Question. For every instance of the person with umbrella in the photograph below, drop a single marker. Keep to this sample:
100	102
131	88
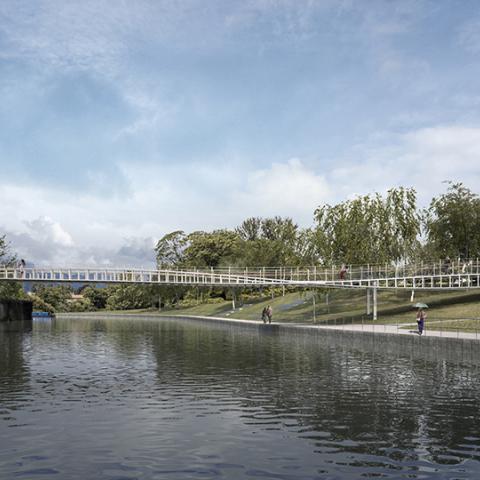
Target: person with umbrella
421	316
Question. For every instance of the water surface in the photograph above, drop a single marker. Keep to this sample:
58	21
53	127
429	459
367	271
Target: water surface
169	399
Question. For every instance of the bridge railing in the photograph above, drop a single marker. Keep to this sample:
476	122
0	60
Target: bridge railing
246	275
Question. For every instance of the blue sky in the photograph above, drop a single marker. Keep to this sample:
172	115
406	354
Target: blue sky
121	121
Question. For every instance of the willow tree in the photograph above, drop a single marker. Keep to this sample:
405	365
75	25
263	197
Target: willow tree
369	228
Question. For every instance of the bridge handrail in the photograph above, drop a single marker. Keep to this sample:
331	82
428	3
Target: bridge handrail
309	273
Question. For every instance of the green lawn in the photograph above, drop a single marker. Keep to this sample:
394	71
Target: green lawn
344	306
455	310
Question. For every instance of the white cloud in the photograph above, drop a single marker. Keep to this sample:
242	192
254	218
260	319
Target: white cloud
44	242
287	189
57	228
422	159
47	230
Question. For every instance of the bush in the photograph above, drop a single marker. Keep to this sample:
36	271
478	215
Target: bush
39	305
82	305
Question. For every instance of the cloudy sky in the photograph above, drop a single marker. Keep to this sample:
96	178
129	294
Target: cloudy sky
123	120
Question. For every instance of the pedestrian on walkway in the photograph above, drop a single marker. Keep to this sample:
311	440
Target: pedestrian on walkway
269	314
264	314
343	271
421	317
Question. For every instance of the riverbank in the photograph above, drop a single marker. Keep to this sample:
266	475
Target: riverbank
386	339
338	307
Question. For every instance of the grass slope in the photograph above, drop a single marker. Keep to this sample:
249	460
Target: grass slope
344	306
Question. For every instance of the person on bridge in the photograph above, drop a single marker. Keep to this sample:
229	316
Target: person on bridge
421	317
343	271
21	267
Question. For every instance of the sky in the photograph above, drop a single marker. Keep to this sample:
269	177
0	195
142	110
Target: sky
122	121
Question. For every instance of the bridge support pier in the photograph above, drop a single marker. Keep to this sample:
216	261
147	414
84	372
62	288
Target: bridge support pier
372	302
233	299
369	303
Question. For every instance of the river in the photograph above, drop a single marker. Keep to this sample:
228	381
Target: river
171	399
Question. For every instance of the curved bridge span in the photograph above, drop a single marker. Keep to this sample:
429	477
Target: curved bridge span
435	276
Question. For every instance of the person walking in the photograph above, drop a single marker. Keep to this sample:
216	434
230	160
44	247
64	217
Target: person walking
269	314
421	317
264	314
21	267
343	272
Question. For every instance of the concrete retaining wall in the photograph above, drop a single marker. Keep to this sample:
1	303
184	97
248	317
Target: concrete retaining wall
15	315
456	350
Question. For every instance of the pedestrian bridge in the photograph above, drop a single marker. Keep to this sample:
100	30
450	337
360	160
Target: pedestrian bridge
433	276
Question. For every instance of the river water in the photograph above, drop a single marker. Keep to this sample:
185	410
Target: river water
171	399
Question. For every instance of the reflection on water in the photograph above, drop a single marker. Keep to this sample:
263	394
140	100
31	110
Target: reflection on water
150	399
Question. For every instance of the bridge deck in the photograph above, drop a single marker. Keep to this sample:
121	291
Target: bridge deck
428	277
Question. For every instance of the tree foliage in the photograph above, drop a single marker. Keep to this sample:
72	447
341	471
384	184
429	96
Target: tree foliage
170	249
11	290
268	242
369	229
7	258
452	223
129	297
213	249
58	296
96	296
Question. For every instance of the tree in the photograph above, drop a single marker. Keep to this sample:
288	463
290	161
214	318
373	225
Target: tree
212	249
250	229
12	290
268	242
129	297
6	257
170	249
9	289
40	305
57	296
452	223
369	229
96	296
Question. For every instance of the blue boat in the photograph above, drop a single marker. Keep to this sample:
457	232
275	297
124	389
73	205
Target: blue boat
42	315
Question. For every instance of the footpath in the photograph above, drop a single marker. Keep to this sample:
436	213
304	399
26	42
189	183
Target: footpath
411	329
401	329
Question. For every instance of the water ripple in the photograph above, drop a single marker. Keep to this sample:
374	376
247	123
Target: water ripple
120	399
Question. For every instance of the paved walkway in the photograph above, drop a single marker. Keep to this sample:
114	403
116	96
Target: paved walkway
398	330
377	328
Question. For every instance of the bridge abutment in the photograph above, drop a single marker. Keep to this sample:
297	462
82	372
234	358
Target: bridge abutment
15	315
